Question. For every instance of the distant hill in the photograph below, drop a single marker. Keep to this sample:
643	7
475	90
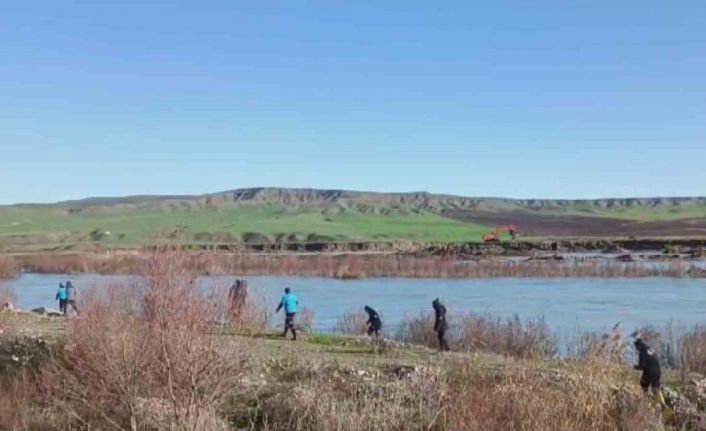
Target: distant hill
301	215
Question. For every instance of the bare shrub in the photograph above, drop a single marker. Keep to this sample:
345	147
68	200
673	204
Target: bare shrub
352	323
418	329
499	399
305	321
159	364
9	267
694	350
530	339
604	347
7	294
667	343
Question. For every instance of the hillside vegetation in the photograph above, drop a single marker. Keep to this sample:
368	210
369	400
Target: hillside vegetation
265	215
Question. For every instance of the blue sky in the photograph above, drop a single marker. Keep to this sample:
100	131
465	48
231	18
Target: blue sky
574	99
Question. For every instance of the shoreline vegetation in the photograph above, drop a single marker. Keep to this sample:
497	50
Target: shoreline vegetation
352	266
164	355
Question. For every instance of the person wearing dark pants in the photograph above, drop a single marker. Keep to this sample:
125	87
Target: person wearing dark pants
374	322
440	325
70	299
61	296
651	371
290	303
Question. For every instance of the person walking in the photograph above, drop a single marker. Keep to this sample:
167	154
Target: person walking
374	322
61	296
651	371
70	298
440	324
290	303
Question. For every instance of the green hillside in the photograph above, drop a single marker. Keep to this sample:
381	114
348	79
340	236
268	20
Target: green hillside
303	215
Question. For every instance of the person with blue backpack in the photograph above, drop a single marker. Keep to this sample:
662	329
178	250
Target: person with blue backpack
290	303
62	295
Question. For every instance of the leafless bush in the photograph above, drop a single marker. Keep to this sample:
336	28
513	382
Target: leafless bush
418	329
694	350
9	267
305	321
605	347
667	343
492	399
530	339
159	364
352	323
7	294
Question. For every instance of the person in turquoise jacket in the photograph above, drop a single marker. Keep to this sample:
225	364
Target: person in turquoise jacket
62	295
290	303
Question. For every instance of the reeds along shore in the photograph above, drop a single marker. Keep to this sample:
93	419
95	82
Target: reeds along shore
346	266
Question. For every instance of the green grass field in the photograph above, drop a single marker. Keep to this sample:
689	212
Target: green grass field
137	228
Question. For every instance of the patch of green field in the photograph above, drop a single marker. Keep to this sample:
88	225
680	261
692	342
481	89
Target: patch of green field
665	212
135	228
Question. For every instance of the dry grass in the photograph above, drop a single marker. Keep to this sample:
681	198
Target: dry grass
9	267
357	266
693	350
481	399
528	339
305	319
601	347
7	294
352	323
418	329
327	396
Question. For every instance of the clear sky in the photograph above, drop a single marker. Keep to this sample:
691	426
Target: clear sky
574	99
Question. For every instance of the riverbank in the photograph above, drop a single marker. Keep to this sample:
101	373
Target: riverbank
343	382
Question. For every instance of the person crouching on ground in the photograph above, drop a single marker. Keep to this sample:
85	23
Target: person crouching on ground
290	303
651	371
62	296
440	325
374	322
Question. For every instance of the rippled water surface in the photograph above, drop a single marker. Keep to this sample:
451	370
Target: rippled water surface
567	304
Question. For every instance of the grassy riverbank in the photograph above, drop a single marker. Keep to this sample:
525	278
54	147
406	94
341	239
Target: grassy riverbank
332	382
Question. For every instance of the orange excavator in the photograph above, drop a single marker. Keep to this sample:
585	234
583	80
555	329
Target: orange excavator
494	236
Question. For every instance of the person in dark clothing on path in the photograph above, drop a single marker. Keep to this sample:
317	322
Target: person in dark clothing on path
440	325
290	303
651	371
61	296
238	296
374	322
70	298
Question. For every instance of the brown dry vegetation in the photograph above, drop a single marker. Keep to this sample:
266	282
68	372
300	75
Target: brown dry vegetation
9	267
528	339
357	266
352	323
7	294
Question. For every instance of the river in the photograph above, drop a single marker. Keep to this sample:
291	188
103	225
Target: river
567	304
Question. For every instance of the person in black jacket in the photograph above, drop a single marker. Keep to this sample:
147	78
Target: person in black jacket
440	325
648	363
374	322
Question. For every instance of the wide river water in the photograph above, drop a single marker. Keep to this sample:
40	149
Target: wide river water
567	304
